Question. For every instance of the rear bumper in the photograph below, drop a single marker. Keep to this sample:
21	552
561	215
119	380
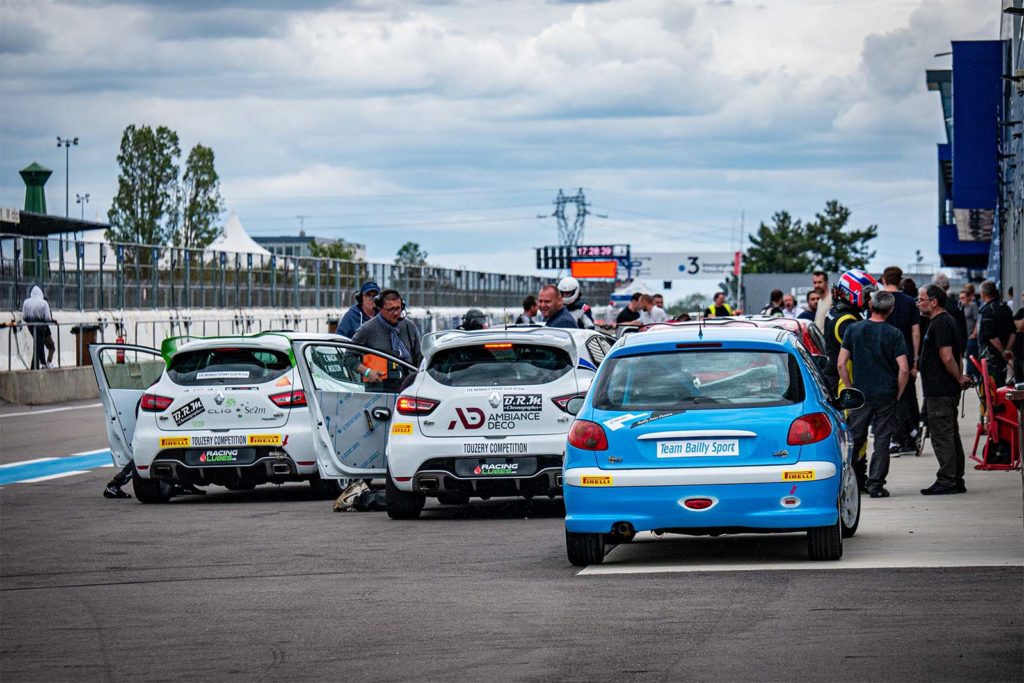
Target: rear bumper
413	455
744	499
297	450
546	482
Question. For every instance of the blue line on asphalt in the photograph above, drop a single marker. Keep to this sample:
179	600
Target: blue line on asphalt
34	470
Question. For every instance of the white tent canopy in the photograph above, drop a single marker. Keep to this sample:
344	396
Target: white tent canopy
233	238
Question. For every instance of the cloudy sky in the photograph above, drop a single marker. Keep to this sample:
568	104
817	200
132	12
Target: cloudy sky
454	123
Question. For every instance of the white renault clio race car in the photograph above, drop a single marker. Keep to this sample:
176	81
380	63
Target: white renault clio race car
224	410
487	415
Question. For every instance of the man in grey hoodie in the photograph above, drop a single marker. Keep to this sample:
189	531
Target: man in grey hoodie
35	310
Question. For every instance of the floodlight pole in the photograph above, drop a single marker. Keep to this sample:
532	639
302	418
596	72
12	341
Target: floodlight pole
66	143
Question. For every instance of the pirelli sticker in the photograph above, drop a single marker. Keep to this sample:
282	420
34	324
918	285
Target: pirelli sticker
264	440
221	440
401	428
595	480
798	475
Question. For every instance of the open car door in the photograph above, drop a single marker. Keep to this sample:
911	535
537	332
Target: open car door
350	416
123	373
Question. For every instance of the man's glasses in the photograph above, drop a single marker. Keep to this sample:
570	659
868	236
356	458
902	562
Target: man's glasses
391	309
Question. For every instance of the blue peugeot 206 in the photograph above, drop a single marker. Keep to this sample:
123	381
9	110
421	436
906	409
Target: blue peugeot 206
709	430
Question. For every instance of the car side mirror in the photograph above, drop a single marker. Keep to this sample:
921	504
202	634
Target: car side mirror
822	363
381	414
574	405
850	399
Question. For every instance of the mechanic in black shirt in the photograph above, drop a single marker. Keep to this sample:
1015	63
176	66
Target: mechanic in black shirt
631	313
905	318
941	382
995	332
880	371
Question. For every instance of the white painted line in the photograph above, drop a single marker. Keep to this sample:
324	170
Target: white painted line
49	410
52	476
98	450
26	462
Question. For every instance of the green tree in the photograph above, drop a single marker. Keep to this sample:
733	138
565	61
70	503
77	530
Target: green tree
689	304
834	248
410	254
779	248
334	249
144	207
195	219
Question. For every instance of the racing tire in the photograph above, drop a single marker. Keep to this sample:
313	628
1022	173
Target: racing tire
849	506
402	504
825	543
149	490
452	499
584	549
325	488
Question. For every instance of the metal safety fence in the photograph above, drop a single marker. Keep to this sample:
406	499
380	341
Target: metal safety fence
80	275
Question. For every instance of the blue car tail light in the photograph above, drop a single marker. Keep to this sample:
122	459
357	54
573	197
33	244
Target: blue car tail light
588	436
808	429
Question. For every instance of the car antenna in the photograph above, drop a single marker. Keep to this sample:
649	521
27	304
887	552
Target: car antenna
700	325
504	317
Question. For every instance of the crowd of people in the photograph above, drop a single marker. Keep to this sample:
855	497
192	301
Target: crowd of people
880	336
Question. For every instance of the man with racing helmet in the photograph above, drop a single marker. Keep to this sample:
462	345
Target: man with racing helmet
850	297
569	287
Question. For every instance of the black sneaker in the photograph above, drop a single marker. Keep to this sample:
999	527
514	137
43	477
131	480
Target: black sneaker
938	489
114	491
878	492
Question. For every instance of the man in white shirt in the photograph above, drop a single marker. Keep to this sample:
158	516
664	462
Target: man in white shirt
789	307
649	312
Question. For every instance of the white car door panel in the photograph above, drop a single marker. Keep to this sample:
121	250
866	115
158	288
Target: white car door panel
123	373
350	417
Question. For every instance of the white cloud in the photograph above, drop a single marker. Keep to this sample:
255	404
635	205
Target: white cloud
675	114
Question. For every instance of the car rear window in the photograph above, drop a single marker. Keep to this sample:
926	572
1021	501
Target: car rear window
692	379
499	364
227	366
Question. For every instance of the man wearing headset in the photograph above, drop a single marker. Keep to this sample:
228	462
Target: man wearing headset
392	333
361	311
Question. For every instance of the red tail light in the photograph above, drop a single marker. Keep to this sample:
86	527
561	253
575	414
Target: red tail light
563	401
809	429
290	399
151	403
408	405
588	435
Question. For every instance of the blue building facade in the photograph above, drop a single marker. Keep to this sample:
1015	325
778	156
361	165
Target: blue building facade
968	161
1007	260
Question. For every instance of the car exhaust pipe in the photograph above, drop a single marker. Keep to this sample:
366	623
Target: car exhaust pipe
281	468
162	471
624	530
428	484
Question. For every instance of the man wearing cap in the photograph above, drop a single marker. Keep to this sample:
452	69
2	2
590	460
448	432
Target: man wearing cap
362	310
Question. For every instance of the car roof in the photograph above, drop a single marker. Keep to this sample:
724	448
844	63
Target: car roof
279	341
554	336
659	335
